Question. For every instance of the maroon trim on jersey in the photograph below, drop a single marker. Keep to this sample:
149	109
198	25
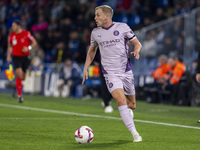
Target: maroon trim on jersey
108	27
102	68
128	65
125	44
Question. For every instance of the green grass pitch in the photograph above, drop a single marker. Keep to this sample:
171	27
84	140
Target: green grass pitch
28	126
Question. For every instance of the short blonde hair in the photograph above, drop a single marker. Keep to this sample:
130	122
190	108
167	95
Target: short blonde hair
106	9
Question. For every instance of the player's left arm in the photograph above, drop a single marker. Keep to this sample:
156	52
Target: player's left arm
33	43
137	49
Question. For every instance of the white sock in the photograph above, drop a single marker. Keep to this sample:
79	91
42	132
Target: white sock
126	117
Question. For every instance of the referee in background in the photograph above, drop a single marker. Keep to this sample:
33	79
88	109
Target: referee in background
20	43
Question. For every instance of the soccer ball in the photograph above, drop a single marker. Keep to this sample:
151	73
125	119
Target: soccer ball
84	134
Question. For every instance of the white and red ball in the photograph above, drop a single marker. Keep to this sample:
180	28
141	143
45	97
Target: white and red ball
84	134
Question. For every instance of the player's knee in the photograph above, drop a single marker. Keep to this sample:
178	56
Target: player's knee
121	102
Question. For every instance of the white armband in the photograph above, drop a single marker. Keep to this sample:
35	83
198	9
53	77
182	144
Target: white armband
29	47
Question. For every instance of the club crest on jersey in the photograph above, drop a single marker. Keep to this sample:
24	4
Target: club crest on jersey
14	41
110	85
116	33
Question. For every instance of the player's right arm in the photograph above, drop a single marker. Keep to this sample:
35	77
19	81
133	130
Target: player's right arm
9	51
137	49
90	56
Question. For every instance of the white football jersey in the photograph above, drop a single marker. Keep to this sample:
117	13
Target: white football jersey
113	46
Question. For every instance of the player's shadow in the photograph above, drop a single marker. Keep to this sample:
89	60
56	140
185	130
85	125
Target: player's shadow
103	145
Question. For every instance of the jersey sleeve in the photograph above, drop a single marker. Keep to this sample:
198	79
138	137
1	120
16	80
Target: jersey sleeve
30	37
128	33
93	43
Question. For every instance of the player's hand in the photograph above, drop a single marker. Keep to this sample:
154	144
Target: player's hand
25	49
136	54
164	85
9	59
85	75
160	80
198	77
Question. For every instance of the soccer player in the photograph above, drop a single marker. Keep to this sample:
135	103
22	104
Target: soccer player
20	42
112	39
198	69
198	73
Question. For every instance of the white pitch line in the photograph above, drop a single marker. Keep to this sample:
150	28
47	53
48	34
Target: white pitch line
15	118
95	116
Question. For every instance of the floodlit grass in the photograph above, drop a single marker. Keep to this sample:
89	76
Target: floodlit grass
22	129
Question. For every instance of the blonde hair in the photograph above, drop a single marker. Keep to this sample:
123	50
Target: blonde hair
106	9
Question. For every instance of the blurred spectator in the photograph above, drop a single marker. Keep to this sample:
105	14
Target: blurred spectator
168	45
48	41
177	10
170	12
162	3
179	46
28	20
39	37
159	75
41	24
197	33
67	12
53	24
194	66
160	38
57	36
61	53
38	52
24	7
176	83
159	16
13	6
66	26
80	23
198	69
149	46
23	22
197	3
56	10
14	16
177	28
74	45
3	10
163	68
146	21
36	65
187	6
71	77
